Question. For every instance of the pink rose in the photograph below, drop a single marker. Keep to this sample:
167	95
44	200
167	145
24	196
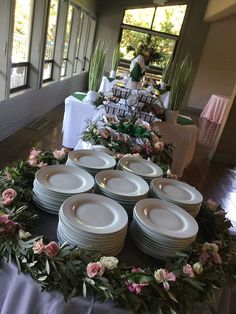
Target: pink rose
95	269
32	162
212	205
216	258
159	145
187	270
104	132
8	196
136	149
4	218
136	287
34	153
59	154
38	246
51	249
10	226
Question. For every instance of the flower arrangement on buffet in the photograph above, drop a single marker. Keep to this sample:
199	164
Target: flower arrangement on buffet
131	137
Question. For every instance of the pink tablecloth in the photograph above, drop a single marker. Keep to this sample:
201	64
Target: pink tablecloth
215	108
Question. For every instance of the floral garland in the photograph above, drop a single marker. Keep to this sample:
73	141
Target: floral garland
131	137
191	276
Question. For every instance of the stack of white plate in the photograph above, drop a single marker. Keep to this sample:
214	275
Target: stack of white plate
160	228
144	168
53	184
126	188
177	192
94	223
90	160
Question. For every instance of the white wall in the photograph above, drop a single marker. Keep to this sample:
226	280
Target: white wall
21	110
216	72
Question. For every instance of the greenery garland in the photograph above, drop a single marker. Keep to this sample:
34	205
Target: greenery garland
176	285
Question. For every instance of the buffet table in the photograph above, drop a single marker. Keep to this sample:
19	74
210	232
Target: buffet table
19	291
78	113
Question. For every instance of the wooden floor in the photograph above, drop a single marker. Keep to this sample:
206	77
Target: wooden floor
214	180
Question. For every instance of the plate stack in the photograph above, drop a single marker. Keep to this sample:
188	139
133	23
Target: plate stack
177	192
144	168
94	223
126	188
53	184
160	228
90	160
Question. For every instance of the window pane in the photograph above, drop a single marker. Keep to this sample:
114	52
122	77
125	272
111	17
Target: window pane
129	42
166	47
18	76
68	31
139	17
169	19
47	71
21	34
51	30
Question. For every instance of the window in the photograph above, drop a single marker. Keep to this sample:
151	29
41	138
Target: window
50	39
21	44
85	43
158	26
67	40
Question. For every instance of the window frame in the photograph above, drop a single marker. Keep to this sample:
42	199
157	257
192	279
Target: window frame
23	63
150	32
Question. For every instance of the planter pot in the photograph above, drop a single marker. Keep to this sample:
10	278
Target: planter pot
112	74
171	115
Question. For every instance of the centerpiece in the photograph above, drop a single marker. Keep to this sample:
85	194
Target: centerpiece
131	136
174	285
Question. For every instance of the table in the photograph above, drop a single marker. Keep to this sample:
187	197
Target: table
184	137
76	116
215	108
21	292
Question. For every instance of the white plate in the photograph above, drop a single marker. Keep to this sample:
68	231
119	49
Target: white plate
94	213
166	218
121	183
177	191
64	179
140	166
92	159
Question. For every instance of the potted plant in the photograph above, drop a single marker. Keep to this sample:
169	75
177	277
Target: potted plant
115	61
179	82
96	68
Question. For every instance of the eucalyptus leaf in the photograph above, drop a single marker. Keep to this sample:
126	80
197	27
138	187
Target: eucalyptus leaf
43	278
47	267
84	289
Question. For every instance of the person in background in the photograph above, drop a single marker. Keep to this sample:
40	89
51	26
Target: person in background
138	66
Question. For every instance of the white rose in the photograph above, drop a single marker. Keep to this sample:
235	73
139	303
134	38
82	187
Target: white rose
197	268
24	235
109	262
159	275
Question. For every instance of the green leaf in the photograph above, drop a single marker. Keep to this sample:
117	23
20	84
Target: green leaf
84	289
43	278
47	267
194	283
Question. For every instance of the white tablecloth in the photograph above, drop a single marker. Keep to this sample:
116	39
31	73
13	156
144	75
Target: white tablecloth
106	85
76	116
215	108
184	137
